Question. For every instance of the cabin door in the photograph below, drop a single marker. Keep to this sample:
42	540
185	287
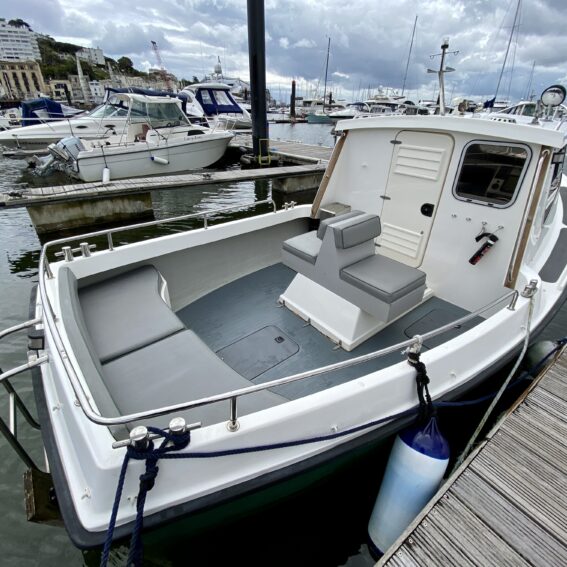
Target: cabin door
415	181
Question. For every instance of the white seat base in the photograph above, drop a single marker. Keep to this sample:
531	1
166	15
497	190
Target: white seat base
338	319
335	317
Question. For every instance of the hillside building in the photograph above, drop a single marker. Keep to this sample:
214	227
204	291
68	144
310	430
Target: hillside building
18	43
91	55
21	80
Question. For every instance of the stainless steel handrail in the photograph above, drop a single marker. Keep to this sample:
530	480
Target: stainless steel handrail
20	327
10	431
110	231
37	361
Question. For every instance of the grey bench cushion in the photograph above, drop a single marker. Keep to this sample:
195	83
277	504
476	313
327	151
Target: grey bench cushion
306	246
384	278
125	313
353	231
78	336
176	369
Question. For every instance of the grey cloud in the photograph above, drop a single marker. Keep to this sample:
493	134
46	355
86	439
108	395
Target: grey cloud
369	39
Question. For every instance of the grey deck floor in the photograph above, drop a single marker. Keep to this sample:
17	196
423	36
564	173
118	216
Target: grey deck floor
509	505
227	315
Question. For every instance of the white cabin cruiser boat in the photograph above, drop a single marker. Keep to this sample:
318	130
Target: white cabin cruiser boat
351	110
434	233
38	134
219	106
103	121
157	139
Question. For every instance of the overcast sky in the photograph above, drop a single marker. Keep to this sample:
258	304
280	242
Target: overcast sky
370	40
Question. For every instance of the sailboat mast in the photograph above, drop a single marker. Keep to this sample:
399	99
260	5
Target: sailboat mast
507	49
409	56
528	90
326	69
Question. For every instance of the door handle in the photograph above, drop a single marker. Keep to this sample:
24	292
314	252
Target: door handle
427	209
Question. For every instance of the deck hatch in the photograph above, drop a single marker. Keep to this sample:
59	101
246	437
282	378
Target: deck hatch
258	352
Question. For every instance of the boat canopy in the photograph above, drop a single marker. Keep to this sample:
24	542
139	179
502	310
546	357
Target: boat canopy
44	109
215	100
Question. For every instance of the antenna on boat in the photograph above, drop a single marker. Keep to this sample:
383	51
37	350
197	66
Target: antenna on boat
441	72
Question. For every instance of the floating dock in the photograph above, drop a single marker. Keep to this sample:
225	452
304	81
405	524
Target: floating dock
311	160
507	503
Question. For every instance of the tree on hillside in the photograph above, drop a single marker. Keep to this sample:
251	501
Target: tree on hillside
19	23
125	64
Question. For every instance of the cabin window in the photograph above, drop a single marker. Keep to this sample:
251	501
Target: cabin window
491	173
222	98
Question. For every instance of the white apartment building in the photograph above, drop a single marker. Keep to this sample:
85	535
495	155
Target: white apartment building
97	90
92	55
17	43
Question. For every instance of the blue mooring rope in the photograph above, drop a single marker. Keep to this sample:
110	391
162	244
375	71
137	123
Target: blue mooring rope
172	443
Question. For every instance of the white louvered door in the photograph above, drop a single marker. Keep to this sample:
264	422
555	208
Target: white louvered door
417	175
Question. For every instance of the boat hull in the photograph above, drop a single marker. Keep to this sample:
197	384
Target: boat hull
139	162
319	119
485	348
40	136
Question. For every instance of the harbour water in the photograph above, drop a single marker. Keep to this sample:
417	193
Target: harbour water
325	527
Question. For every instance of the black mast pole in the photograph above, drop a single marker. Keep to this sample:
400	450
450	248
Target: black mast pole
257	58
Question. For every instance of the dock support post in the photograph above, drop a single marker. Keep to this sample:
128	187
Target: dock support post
257	57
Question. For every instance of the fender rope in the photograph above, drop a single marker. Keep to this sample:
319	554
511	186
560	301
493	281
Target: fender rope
172	443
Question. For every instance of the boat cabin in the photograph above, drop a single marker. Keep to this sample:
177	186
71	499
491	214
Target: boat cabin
423	194
144	116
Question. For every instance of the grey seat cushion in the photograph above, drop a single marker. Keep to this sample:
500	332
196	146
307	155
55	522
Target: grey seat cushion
81	345
176	369
353	231
125	313
306	246
383	277
324	224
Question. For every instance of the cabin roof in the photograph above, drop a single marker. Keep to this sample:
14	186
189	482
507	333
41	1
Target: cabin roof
145	98
211	85
535	134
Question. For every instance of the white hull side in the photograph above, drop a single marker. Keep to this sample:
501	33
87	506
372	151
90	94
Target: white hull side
92	464
40	136
124	162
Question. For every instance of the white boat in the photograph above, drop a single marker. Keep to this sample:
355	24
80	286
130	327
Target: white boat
103	121
157	139
351	110
10	118
219	106
437	234
325	115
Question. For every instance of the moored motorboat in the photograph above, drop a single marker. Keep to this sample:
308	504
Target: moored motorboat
157	139
48	122
219	105
434	233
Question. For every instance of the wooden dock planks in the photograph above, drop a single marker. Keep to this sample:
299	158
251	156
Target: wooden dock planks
507	505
